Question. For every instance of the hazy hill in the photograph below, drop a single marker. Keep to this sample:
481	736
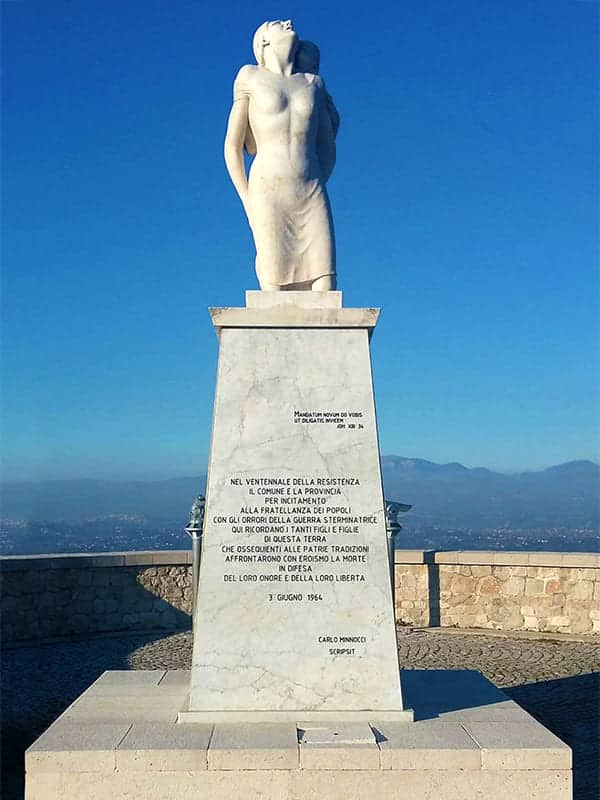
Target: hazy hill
74	500
565	495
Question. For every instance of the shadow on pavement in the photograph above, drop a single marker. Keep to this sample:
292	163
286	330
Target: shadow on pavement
431	692
570	708
40	681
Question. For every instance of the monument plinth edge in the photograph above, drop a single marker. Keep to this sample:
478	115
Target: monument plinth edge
294	317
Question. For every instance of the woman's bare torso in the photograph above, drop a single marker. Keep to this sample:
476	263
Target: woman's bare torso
285	198
283	116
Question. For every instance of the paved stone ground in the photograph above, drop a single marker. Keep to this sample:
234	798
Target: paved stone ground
558	682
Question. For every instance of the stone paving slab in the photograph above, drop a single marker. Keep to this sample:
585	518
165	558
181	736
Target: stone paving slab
265	746
176	678
76	747
138	701
114	713
513	745
129	678
348	733
427	745
160	747
341	747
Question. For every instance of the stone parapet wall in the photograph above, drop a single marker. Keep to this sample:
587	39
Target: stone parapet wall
55	596
541	592
44	597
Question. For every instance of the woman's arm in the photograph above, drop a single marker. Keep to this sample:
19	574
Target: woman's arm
237	128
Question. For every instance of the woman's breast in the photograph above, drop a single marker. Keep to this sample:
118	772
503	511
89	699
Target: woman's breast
303	103
297	102
266	100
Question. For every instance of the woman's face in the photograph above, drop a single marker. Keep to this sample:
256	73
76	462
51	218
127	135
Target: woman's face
281	31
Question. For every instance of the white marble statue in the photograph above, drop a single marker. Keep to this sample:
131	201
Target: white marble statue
283	116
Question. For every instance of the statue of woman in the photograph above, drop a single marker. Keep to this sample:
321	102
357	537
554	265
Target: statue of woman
285	116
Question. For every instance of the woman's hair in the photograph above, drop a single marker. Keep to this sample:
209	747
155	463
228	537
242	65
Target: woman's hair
259	41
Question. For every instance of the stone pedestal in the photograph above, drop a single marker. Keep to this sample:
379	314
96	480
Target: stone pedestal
294	617
119	740
294	627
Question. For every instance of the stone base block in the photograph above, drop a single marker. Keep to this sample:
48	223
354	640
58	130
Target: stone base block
406	715
120	739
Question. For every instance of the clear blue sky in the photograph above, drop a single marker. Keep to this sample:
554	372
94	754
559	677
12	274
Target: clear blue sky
465	200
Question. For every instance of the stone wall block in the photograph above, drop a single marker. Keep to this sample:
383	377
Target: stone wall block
47	600
463	585
9	603
28	602
79	623
512	619
480	571
554	585
533	587
503	573
580	626
64	597
99	577
112	603
514	586
559	621
446	576
543	602
519	572
583	590
144	603
489	585
408	581
114	621
588	574
10	583
573	605
81	577
99	605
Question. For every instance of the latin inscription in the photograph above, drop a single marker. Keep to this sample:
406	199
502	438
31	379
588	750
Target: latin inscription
343	420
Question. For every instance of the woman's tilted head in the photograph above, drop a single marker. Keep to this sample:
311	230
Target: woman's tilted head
272	33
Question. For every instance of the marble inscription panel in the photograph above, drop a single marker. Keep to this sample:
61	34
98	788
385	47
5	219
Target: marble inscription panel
294	606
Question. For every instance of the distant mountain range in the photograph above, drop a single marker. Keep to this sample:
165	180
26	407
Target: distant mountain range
564	496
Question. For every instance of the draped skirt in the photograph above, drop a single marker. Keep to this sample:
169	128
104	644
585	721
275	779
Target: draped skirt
292	227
